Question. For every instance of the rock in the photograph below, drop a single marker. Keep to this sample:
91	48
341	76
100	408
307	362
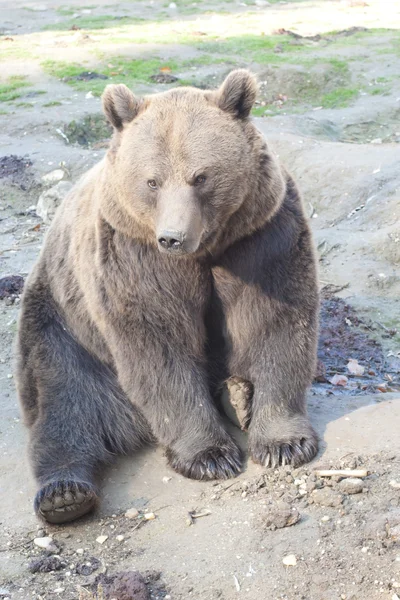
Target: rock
290	560
54	176
132	513
261	3
50	200
44	542
327	497
279	516
120	538
149	516
101	539
394	484
351	485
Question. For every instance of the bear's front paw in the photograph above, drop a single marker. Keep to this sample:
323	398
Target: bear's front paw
64	501
290	441
216	462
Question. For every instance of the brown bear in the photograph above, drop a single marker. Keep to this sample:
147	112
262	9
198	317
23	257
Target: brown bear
182	259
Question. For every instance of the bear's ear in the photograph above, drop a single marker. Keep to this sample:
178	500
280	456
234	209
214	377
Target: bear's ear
119	105
238	93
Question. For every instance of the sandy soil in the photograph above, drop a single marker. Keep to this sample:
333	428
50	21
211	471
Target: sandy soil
345	156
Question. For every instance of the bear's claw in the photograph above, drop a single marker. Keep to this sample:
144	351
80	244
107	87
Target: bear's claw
220	462
293	453
283	442
63	501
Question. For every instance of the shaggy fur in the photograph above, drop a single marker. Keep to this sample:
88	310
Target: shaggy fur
183	258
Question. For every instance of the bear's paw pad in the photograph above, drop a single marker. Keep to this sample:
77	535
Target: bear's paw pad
64	501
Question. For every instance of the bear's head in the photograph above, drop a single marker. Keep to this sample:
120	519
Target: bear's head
184	162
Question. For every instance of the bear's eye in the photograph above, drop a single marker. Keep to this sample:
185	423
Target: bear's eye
200	179
152	183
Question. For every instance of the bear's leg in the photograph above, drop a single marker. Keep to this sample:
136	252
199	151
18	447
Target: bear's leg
270	319
165	377
81	420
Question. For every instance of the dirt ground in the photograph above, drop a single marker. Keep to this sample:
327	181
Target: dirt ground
329	105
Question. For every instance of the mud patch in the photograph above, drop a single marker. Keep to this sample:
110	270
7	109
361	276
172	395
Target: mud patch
46	564
88	131
16	169
129	585
344	336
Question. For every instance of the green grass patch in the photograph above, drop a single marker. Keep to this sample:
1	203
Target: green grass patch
24	104
119	70
339	98
53	103
12	89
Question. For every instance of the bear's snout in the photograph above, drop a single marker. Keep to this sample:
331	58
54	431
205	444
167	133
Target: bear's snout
172	241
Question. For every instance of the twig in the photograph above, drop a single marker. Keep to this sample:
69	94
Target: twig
342	473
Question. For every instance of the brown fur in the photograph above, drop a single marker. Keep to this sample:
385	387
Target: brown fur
181	259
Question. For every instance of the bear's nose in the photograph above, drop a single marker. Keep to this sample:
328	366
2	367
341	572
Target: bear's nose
171	240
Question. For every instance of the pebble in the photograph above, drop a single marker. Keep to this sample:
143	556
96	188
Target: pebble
290	560
132	513
59	590
327	497
44	542
101	539
120	538
325	519
281	515
394	484
166	479
351	485
149	516
80	551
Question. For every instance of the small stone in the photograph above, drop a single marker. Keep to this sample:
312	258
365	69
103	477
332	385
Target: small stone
54	176
327	497
298	482
351	485
89	95
364	549
172	5
166	479
59	590
149	516
394	532
80	551
44	542
279	516
120	538
261	3
394	484
290	560
101	539
325	519
132	513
